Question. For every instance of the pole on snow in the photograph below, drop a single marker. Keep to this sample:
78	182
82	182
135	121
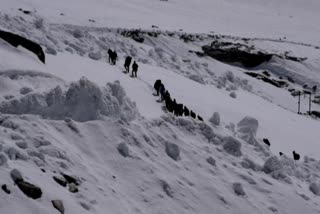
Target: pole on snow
299	102
310	103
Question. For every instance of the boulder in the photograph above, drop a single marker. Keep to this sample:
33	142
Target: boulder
60	180
272	164
95	55
315	188
238	189
73	188
232	146
211	161
71	179
29	189
58	204
234	53
123	149
215	119
173	151
5	189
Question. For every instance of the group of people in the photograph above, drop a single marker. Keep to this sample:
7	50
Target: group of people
178	109
295	155
113	57
135	66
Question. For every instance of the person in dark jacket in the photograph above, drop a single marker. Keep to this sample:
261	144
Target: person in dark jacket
162	91
175	107
179	110
134	69
114	58
169	104
167	95
110	52
192	114
156	86
186	111
127	63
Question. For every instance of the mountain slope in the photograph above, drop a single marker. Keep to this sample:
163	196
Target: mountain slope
275	19
80	116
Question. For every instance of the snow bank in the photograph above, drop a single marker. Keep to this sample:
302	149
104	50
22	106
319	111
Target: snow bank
83	101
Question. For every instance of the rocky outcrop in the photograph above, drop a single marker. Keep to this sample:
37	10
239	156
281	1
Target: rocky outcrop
235	53
17	40
244	54
27	188
58	204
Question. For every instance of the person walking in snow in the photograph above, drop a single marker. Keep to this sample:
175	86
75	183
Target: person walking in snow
134	69
162	91
167	95
127	63
114	57
192	114
157	85
180	110
169	106
174	107
110	52
186	111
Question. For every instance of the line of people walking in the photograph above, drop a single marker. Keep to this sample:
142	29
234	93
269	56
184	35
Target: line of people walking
178	109
113	57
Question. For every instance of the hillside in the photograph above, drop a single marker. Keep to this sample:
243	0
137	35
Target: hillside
78	115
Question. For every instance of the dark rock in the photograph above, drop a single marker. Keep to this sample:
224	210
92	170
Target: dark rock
60	180
73	188
232	146
16	40
232	53
238	189
187	38
276	83
29	189
211	161
123	149
173	151
58	204
315	188
5	189
51	50
166	188
84	205
136	35
316	113
70	179
266	73
25	90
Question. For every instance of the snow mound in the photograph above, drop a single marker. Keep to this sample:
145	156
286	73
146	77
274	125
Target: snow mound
247	129
215	119
272	164
83	101
232	146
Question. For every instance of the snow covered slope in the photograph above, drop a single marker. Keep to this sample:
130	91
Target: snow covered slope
77	115
293	19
